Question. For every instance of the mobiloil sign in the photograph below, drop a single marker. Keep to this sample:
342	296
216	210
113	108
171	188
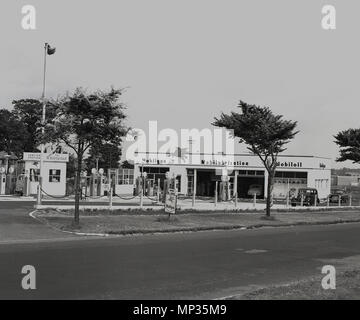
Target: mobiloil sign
289	164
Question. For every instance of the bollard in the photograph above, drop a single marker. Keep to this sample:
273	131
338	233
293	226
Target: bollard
38	195
339	201
287	200
110	198
158	190
141	197
236	199
315	200
194	188
254	201
216	194
327	201
350	200
302	200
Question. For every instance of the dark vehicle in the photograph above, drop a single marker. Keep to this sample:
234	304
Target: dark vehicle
334	197
308	196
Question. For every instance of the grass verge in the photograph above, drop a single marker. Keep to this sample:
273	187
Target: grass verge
347	287
108	223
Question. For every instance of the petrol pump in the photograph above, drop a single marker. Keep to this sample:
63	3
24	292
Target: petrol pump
94	182
10	181
102	183
2	180
224	188
98	182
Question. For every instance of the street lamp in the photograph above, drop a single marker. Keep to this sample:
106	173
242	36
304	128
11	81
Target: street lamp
47	51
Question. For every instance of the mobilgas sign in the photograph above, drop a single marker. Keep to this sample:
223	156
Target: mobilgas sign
53	157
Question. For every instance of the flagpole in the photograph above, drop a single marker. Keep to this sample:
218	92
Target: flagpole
43	120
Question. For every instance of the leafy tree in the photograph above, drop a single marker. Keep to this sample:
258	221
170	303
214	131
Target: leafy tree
349	143
106	156
127	164
265	134
12	132
29	112
86	120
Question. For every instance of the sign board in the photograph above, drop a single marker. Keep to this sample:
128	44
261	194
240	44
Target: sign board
232	161
50	157
170	201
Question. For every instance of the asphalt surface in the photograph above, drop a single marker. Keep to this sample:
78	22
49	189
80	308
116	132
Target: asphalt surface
203	265
17	226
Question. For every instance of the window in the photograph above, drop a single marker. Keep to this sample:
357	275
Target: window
126	176
54	175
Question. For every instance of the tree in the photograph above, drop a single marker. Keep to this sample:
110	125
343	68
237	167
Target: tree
29	112
86	120
349	143
12	133
265	134
127	164
105	156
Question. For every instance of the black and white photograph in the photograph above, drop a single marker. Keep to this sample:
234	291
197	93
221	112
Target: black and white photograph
179	156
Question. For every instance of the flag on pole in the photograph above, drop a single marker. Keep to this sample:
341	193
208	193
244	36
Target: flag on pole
50	50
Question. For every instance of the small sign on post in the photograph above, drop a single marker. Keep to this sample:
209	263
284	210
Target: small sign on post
170	202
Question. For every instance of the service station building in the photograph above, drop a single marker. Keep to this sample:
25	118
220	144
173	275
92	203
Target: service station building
199	172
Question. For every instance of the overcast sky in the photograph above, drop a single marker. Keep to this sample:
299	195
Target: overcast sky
185	61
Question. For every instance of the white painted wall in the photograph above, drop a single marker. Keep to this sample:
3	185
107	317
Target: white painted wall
52	188
321	180
124	189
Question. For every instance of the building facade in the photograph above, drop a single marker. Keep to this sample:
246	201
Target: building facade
54	182
199	173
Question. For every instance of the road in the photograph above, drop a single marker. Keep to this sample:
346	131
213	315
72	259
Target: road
203	265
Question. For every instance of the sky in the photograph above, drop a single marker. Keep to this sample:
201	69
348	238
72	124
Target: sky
184	62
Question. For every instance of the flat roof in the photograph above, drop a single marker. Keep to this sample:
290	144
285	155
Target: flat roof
234	154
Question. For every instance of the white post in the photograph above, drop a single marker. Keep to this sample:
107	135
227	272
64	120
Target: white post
38	194
350	200
254	200
194	187
142	193
228	189
339	201
110	198
288	193
315	200
235	187
158	191
327	201
216	193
